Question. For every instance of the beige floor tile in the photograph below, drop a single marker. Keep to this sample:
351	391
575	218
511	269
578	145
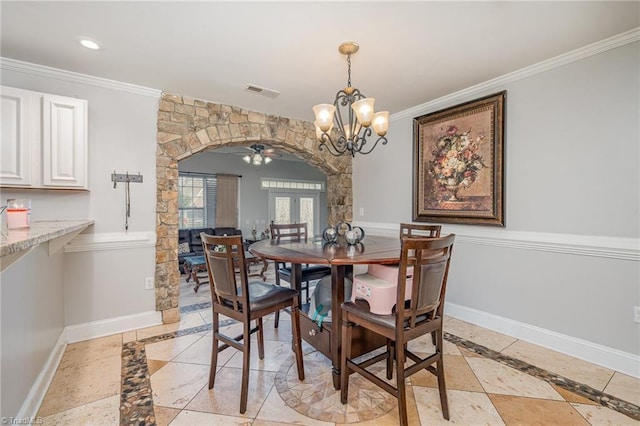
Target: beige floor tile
154	365
598	415
165	415
192	418
457	374
624	387
81	384
102	412
275	410
129	336
516	410
467	353
573	397
501	379
175	384
423	344
186	321
166	350
274	354
224	398
570	367
465	408
200	353
91	350
482	336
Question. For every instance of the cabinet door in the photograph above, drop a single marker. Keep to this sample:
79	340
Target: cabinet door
64	142
19	133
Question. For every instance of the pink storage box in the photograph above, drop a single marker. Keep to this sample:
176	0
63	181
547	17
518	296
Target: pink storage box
379	287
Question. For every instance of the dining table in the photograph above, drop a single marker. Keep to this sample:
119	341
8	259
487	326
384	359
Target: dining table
341	257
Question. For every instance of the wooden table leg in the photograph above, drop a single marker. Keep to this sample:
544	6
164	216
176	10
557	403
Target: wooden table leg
337	297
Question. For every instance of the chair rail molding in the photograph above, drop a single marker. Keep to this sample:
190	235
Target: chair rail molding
110	241
581	245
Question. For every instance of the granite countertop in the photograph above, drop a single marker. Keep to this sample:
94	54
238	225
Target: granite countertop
17	240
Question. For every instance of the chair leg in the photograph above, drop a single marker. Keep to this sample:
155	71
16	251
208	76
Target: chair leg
391	353
402	391
246	351
276	321
346	351
260	339
442	388
214	350
297	340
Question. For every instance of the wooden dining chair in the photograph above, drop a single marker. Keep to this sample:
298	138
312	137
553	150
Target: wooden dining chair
244	302
411	319
419	230
295	232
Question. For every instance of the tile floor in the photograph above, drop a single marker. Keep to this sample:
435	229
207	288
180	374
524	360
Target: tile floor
159	375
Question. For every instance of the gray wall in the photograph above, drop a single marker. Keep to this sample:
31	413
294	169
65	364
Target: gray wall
572	184
254	201
42	294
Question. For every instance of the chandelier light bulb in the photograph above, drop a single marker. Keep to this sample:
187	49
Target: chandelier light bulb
324	116
257	159
267	160
381	122
364	110
247	159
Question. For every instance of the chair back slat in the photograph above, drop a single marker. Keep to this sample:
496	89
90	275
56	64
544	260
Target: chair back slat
225	254
289	231
419	230
430	258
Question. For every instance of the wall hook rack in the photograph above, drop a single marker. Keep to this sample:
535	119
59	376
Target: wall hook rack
127	179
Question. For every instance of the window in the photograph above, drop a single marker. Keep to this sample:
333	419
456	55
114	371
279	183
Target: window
196	200
270	183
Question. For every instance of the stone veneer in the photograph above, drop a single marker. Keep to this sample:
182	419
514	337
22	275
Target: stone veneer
187	126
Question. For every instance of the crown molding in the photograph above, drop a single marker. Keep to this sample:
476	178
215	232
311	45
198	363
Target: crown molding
7	64
498	83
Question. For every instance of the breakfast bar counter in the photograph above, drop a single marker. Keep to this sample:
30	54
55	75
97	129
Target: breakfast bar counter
15	243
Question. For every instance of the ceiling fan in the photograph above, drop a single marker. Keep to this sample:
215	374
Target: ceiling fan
260	155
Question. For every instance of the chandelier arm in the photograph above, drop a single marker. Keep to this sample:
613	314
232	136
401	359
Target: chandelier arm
331	147
380	139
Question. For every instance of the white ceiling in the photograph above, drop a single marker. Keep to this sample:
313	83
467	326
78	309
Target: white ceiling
410	52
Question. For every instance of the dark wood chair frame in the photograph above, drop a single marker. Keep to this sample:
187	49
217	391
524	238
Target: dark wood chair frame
422	314
295	232
244	302
419	230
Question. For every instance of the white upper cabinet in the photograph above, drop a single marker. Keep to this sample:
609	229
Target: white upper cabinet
44	140
64	142
20	132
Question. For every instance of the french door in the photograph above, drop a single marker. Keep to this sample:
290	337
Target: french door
295	207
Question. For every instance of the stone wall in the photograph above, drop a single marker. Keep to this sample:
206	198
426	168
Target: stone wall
187	126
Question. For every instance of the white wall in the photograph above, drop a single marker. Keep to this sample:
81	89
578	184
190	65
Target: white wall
564	271
103	277
254	201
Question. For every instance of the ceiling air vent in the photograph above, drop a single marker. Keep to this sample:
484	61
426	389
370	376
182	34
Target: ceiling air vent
252	88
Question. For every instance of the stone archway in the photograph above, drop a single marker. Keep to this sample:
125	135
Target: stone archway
187	126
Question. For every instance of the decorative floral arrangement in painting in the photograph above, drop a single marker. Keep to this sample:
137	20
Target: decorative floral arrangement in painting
455	163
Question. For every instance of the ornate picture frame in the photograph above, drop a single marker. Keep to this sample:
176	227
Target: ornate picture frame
458	156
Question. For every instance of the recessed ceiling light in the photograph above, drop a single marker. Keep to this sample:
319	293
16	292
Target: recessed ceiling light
89	44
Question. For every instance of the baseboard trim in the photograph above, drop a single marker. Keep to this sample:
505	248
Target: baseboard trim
613	359
110	241
580	245
107	327
32	402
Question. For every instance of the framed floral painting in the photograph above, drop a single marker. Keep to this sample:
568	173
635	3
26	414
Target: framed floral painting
458	163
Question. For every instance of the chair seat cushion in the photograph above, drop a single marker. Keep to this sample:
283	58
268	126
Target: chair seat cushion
263	295
361	309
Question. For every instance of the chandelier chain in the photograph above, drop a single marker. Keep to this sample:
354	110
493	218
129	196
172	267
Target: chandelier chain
349	70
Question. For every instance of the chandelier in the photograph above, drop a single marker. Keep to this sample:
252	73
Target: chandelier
354	116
